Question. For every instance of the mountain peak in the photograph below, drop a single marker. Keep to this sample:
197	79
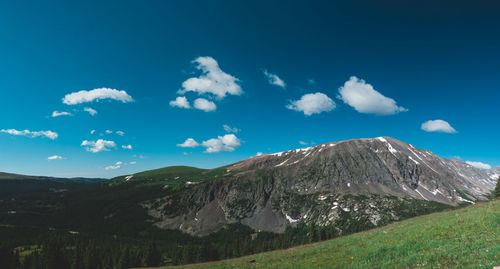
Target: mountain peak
272	191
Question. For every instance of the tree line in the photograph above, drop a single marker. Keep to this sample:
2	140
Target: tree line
236	240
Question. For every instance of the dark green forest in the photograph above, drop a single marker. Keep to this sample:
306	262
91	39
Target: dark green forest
104	226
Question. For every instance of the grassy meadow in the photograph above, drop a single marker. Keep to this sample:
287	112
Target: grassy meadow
463	238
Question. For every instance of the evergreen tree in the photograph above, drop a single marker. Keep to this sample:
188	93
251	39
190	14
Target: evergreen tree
152	256
15	260
91	258
54	256
313	233
186	255
124	261
7	257
322	234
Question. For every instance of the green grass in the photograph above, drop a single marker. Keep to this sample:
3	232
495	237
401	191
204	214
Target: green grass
170	172
463	238
172	175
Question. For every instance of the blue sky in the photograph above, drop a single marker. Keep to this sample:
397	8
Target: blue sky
435	61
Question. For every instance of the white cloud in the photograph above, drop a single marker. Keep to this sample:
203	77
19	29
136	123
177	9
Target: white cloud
228	129
99	145
120	133
189	143
55	157
109	131
112	167
303	143
96	95
312	103
437	126
273	79
181	102
92	132
204	104
90	110
227	142
28	133
60	113
118	165
365	99
479	165
127	147
212	81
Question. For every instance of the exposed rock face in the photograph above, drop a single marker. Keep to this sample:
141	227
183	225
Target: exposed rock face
370	179
494	174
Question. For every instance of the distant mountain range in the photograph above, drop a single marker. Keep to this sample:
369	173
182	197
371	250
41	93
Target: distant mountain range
363	181
13	184
11	176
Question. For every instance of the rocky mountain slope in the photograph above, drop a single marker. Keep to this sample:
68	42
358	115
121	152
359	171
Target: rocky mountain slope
356	182
494	173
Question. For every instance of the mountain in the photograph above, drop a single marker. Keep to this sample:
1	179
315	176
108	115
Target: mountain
13	184
367	182
11	176
494	174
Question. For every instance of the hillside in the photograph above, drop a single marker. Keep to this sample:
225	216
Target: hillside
468	237
11	176
369	182
14	184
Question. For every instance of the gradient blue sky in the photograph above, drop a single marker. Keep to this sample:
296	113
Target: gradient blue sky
440	61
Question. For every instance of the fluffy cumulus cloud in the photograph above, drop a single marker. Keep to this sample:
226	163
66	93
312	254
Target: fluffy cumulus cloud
120	133
96	95
90	110
109	131
479	165
28	133
437	126
127	147
227	142
230	129
60	113
92	131
204	104
212	80
312	103
117	165
55	157
365	99
98	146
273	79
189	143
180	101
